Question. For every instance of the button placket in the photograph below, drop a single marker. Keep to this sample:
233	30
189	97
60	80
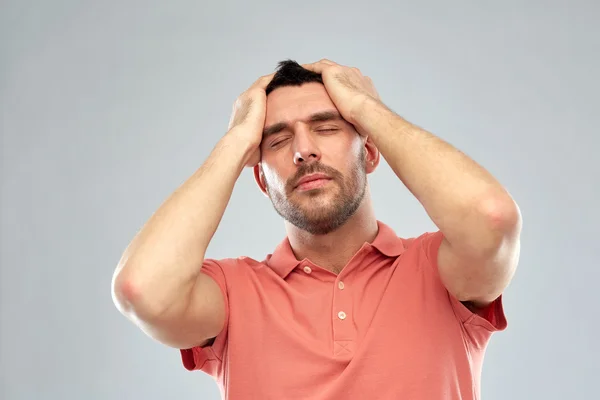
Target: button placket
344	333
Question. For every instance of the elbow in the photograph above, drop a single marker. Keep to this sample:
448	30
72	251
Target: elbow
502	224
130	295
139	299
125	292
502	213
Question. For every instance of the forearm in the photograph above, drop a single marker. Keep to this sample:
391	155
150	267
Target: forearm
160	266
465	201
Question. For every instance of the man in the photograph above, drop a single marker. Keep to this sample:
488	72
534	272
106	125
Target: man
343	308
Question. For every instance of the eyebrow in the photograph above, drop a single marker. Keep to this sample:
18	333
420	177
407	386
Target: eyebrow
330	115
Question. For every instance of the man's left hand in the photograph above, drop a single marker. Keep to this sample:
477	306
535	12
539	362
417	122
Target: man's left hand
347	87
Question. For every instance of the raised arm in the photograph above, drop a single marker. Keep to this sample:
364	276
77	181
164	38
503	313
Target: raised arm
157	283
479	220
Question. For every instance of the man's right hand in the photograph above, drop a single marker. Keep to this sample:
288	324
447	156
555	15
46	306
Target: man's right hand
248	117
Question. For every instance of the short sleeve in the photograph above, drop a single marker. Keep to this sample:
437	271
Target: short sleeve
209	357
485	321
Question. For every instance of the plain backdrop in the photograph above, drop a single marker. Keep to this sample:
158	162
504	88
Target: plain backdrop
106	107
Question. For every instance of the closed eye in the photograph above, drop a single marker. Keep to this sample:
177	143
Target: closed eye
328	130
278	142
321	130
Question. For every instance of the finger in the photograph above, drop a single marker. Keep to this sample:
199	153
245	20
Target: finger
263	81
326	61
319	66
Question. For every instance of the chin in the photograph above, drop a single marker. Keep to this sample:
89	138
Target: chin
319	214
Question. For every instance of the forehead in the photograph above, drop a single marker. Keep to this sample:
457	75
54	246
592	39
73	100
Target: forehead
291	103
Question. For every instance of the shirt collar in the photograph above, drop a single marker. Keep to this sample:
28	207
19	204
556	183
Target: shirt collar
283	261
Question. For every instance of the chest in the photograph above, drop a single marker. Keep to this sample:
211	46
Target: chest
316	334
393	310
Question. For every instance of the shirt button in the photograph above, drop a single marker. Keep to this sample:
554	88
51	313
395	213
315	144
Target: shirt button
307	269
341	285
342	315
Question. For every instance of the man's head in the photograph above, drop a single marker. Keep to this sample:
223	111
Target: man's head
304	135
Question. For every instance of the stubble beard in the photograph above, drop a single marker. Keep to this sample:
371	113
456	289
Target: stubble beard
322	210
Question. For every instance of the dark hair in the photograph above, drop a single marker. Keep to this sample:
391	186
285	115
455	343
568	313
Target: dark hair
290	73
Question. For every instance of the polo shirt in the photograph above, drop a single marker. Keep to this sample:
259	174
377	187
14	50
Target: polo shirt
385	327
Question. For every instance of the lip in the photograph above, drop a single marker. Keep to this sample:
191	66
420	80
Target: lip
311	177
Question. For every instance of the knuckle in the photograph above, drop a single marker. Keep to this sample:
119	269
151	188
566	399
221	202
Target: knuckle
254	91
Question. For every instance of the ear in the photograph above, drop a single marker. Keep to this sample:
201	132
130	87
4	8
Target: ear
260	179
372	155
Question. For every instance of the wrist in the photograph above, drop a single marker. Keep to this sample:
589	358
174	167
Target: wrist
244	144
368	114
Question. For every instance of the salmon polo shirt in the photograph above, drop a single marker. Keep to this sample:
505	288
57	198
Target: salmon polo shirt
385	327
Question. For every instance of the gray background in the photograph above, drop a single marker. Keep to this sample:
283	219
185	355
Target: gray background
106	107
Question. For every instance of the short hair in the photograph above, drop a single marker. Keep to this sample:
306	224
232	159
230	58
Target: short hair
290	73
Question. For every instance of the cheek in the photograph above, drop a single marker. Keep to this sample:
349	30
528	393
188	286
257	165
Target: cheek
273	179
354	158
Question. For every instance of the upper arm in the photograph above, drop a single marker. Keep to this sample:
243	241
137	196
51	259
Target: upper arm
478	280
201	317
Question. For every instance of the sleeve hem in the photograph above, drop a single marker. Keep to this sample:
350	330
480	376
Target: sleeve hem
494	319
196	357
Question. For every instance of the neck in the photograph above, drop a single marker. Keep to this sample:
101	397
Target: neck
333	250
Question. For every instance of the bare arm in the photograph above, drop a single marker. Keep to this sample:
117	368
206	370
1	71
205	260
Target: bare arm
157	283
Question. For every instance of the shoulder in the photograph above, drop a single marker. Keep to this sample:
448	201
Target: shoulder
425	244
234	266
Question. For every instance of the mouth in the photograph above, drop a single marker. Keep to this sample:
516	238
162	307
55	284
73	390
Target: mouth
312	182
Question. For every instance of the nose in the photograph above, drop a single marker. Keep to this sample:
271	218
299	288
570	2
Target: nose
305	147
